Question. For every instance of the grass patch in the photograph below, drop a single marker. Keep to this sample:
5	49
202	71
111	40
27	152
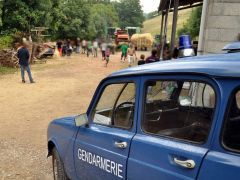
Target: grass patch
153	25
7	70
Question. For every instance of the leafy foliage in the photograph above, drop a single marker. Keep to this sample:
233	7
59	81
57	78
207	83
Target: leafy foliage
130	13
22	15
73	20
101	17
6	41
69	18
192	27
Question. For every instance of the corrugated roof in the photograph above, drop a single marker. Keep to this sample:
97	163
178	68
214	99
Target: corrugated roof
164	4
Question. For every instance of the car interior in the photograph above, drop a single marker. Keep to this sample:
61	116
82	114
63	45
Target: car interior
173	114
167	117
231	136
121	113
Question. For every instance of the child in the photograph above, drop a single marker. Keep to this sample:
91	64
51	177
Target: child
131	53
107	55
142	60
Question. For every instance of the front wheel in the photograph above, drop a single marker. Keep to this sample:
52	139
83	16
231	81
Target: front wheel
58	169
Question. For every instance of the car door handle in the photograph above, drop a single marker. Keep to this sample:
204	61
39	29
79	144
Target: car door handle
121	145
190	164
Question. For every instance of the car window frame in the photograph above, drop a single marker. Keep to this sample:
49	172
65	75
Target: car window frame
97	97
193	78
225	120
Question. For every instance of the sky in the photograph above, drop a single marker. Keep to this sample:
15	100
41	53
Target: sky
150	5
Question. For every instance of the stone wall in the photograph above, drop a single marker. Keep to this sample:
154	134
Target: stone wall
222	25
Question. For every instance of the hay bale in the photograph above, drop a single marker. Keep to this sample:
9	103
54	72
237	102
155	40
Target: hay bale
142	40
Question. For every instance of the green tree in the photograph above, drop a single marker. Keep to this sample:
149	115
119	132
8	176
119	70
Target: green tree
22	15
130	13
74	19
68	18
192	27
101	17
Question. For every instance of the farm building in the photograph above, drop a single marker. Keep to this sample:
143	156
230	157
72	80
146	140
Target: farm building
220	23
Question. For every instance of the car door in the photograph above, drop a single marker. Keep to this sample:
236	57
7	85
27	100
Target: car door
102	147
223	159
174	133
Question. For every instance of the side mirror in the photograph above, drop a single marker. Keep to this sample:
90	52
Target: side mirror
185	101
81	120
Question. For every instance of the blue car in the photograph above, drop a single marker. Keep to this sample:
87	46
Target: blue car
170	120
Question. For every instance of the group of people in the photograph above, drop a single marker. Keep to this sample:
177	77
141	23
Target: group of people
92	47
65	47
84	46
151	59
128	51
89	47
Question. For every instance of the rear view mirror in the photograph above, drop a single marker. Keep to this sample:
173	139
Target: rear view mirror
81	120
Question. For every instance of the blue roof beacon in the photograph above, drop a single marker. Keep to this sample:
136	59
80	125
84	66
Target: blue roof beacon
185	46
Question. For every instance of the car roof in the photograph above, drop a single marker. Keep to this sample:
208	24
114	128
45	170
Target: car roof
221	65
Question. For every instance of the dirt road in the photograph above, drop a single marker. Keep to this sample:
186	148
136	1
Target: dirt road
64	87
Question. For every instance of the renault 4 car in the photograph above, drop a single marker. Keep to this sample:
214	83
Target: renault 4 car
171	120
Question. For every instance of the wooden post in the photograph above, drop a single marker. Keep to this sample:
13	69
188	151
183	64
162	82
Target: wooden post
174	25
164	38
161	35
165	28
161	31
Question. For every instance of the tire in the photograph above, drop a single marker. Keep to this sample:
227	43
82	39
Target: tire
58	168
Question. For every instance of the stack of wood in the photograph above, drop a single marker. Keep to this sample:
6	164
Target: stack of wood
8	58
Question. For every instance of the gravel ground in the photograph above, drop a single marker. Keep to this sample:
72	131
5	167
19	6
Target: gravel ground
64	86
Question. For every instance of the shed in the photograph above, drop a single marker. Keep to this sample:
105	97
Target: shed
174	6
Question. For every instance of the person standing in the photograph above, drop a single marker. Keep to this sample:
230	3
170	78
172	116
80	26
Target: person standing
124	48
69	47
84	46
78	43
103	48
107	55
89	48
64	48
59	47
131	53
95	48
23	56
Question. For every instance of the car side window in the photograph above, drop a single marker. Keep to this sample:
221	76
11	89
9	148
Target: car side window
179	109
116	106
231	134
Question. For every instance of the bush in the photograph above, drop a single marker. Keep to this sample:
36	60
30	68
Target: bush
6	41
192	27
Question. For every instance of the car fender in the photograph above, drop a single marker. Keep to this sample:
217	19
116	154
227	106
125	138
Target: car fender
61	134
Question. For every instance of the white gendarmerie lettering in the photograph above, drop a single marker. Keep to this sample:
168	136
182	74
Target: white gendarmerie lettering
100	162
